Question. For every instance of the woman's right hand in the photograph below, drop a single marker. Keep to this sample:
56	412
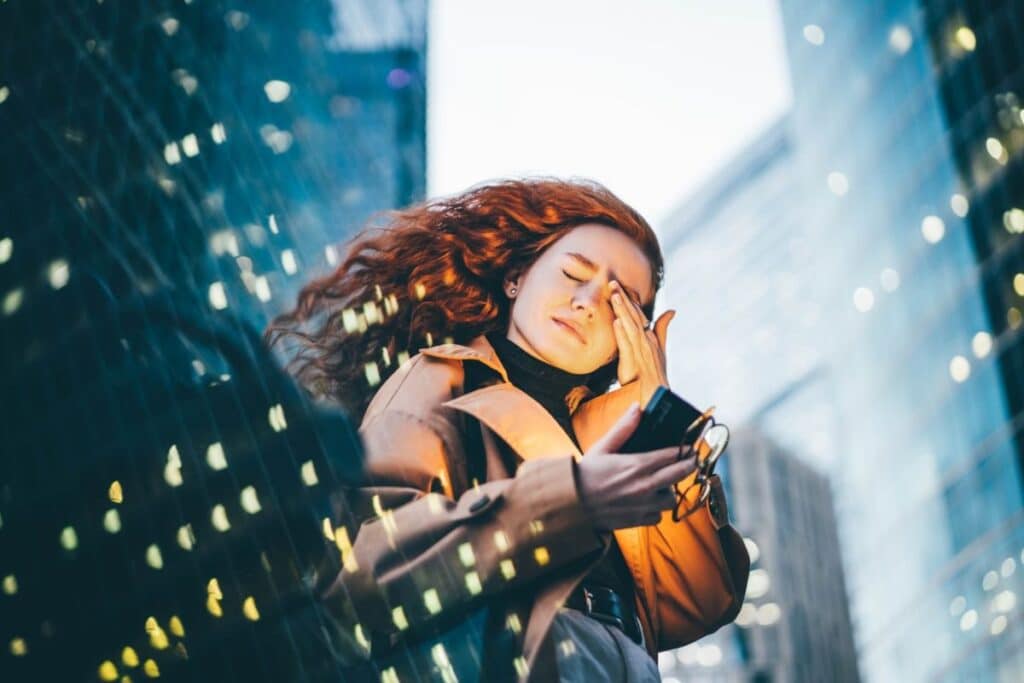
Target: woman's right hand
622	490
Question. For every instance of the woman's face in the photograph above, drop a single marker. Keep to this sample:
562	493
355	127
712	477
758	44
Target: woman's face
567	287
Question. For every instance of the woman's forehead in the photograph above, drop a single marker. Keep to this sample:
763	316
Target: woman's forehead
599	246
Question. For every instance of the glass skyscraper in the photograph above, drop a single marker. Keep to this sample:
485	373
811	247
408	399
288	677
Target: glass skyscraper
894	221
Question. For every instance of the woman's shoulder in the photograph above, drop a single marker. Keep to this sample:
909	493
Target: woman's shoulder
418	387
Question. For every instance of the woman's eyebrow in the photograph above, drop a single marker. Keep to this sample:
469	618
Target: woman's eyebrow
593	266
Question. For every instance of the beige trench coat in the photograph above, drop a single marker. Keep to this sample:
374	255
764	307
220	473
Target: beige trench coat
519	526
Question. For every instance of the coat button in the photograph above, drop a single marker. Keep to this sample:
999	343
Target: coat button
479	504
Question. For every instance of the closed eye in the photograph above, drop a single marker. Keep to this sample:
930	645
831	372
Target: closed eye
574	279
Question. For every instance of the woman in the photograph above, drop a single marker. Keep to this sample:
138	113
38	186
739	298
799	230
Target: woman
476	491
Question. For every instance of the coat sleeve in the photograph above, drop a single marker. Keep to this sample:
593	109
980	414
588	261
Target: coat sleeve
421	554
699	565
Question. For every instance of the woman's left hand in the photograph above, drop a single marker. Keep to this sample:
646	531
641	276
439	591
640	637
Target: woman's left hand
641	350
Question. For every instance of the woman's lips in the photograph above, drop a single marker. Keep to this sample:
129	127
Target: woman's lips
563	324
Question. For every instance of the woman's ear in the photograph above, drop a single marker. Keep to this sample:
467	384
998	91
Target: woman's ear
511	286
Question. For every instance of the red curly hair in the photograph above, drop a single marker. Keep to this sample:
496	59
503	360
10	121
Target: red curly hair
433	273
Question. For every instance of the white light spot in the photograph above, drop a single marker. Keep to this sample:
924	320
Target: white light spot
1008	567
288	261
170	25
996	150
768	614
262	287
12	301
4	93
277	91
890	280
57	273
219	517
863	299
250	501
969	620
900	39
272	223
837	183
154	558
752	549
1018	284
330	253
217	133
1005	601
960	370
112	521
981	345
932	229
1013	221
989	581
215	456
957	606
814	34
218	297
959	204
308	473
172	155
6	248
190	145
68	538
998	625
186	539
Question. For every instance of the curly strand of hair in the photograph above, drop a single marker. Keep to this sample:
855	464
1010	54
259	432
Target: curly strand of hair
438	269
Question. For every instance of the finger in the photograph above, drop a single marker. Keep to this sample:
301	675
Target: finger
652	461
620	432
673	473
625	307
661	327
627	350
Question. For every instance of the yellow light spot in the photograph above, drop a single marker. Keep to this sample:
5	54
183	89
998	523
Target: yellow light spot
151	669
157	636
466	555
219	517
115	492
501	540
348	558
1018	284
966	39
421	291
513	624
186	539
432	600
398	617
249	609
177	628
6	247
328	529
473	583
536	527
521	668
154	558
435	502
213	606
508	569
18	647
129	657
218	296
372	373
108	672
389	675
567	646
68	538
215	456
10	584
430	339
371	312
172	471
112	521
1013	317
361	638
308	472
213	588
250	501
541	555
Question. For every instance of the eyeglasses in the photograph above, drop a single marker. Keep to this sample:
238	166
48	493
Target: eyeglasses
709	440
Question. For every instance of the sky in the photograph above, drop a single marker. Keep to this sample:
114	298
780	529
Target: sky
649	97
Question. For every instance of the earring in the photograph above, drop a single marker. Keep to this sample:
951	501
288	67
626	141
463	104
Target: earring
512	291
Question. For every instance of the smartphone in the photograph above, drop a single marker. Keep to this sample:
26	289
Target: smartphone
664	423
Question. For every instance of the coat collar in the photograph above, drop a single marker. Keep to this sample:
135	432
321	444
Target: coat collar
505	409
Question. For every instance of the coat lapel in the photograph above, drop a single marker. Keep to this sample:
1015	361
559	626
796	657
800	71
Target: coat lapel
509	412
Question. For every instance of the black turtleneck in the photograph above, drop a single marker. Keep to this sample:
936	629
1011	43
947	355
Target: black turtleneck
545	383
549	385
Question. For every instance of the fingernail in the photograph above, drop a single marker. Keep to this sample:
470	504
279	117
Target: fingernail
634	407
